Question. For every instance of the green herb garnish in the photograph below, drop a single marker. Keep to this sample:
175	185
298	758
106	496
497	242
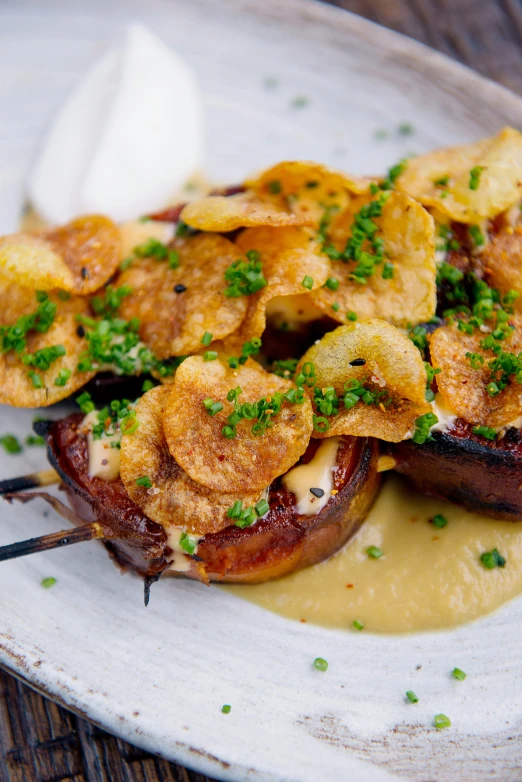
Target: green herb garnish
492	559
320	664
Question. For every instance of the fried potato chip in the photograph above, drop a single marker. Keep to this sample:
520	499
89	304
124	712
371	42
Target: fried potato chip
78	257
247	461
292	265
502	262
174	499
307	189
464	388
137	232
177	306
471	182
242	210
402	288
379	357
30	384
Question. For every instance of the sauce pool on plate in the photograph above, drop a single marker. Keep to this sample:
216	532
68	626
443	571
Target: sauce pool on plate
428	578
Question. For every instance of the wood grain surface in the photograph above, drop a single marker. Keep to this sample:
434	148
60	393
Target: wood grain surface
41	742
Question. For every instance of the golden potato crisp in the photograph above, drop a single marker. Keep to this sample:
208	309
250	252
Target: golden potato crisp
245	462
177	306
402	288
292	265
31	384
376	355
464	388
307	188
78	257
172	499
502	262
470	183
242	210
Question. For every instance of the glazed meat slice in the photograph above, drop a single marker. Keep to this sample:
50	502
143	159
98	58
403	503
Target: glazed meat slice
279	543
465	468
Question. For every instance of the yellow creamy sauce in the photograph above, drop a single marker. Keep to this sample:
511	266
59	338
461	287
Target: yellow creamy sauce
428	578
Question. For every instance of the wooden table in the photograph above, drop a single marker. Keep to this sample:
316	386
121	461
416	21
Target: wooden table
39	741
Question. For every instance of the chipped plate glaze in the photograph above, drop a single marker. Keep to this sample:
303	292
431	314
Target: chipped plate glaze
158	677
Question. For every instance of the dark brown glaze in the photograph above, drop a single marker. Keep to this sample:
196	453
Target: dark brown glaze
481	475
107	386
282	344
135	541
281	542
284	541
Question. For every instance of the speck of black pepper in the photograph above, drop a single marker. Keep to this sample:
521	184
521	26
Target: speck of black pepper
85	272
80	331
179	288
105	461
358	362
317	492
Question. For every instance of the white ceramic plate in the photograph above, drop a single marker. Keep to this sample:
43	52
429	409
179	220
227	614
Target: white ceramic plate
158	677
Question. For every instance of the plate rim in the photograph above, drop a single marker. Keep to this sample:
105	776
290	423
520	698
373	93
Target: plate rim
408	51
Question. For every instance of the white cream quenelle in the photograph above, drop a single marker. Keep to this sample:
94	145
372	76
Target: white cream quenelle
127	138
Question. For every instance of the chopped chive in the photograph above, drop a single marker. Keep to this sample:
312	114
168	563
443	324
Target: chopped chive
226	708
126	263
405	129
147	385
351	315
336	306
62	377
320	664
485	431
206	339
10	444
300	101
458	674
477	235
262	507
387	271
144	481
492	559
212	407
33	439
474	177
210	355
274	186
441	721
173	259
332	283
358	624
439	521
188	543
35	379
412	697
235	511
374	552
308	282
85	402
47	583
321	424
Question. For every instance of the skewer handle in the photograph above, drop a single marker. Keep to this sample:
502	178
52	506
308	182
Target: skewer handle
66	537
33	481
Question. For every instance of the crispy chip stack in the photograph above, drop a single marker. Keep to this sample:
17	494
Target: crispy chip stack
315	246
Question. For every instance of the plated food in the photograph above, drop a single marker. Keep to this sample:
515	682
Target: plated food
294	338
